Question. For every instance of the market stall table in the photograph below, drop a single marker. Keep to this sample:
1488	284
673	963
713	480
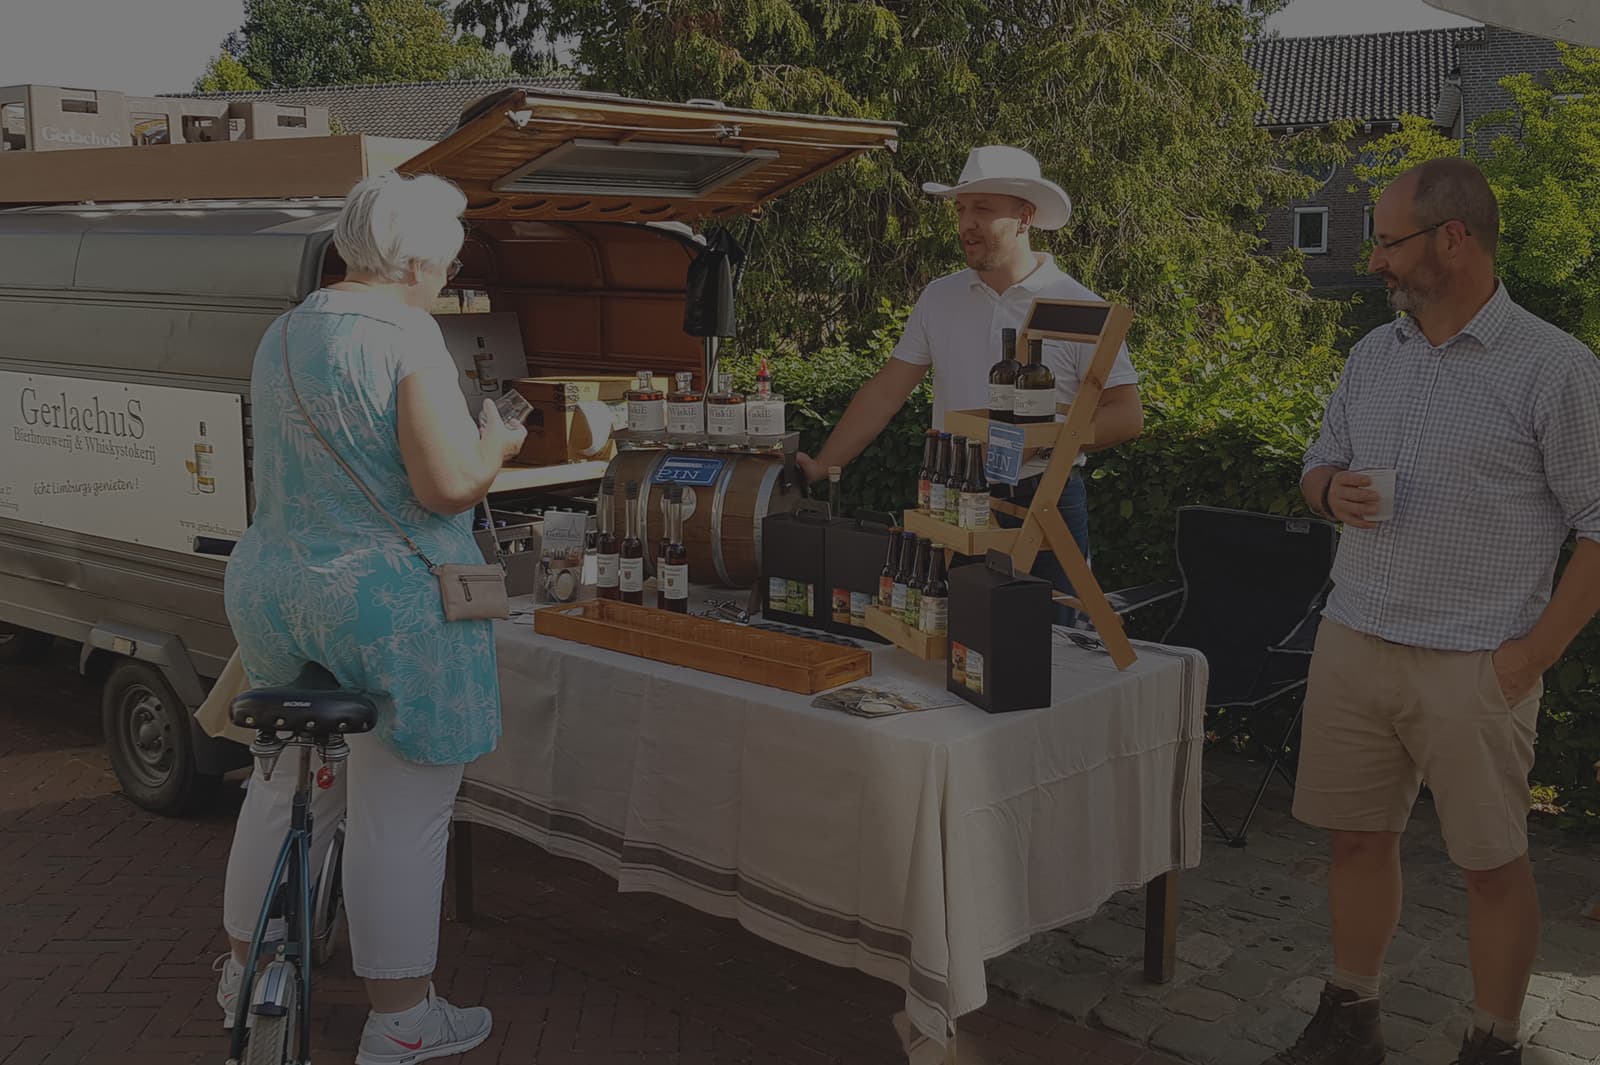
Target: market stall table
912	847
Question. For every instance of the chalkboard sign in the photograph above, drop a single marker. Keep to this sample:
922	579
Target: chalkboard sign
1074	321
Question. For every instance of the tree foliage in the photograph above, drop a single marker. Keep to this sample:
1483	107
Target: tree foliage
1142	109
292	43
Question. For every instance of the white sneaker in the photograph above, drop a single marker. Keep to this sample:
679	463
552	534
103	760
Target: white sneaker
228	985
443	1030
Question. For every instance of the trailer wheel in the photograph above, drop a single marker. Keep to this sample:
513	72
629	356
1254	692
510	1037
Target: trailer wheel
19	646
148	735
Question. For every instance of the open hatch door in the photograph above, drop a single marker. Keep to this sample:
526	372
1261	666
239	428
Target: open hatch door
561	156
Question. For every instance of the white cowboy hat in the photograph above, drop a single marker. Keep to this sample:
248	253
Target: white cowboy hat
1014	172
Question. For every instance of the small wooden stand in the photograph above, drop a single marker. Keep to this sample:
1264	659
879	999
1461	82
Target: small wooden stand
1103	325
924	646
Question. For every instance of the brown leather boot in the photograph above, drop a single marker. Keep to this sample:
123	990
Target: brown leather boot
1345	1031
1481	1048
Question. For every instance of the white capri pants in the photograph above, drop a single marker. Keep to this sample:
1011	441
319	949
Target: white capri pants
396	834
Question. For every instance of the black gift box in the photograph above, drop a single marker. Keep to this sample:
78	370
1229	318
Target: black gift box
853	561
793	566
999	657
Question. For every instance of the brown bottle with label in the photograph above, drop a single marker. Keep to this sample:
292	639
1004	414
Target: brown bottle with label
630	562
1035	397
673	580
607	546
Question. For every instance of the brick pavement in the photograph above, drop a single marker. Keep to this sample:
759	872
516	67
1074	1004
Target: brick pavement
108	927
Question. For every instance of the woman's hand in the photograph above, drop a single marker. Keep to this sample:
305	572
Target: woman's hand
494	429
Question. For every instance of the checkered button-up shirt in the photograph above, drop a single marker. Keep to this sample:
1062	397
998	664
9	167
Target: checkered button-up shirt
1495	437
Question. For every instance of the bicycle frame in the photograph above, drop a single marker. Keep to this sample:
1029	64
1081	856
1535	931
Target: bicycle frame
294	856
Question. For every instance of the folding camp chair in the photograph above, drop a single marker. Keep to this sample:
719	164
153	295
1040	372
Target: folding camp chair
1252	588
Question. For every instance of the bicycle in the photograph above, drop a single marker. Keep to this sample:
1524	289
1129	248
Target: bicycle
311	713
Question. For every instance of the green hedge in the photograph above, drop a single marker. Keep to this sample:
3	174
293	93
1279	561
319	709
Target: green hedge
1227	420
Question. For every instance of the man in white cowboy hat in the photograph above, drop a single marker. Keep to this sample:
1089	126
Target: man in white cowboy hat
955	327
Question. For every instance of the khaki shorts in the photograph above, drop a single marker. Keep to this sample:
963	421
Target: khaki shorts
1382	717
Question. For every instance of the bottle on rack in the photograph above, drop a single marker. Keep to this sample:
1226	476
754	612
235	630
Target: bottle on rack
891	565
935	618
930	456
919	577
725	421
665	540
647	412
686	414
902	574
952	492
630	565
673	580
835	508
941	478
607	545
975	490
1035	397
1003	378
764	414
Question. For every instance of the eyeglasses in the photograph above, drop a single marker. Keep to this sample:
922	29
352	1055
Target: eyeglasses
1387	245
452	270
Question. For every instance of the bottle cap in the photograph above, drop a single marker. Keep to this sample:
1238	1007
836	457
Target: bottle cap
833	473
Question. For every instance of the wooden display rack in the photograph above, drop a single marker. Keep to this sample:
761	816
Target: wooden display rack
1103	325
924	645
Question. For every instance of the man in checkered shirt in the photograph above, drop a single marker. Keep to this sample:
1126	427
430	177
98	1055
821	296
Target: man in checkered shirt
1441	621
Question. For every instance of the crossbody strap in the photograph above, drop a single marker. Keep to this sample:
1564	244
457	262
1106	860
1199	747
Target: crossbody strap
356	480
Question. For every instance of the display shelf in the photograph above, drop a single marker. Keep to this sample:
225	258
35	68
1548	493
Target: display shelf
919	643
954	538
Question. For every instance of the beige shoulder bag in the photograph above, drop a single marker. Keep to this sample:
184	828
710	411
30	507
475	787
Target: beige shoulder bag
468	592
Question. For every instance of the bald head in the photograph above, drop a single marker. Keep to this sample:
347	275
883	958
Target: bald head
1454	188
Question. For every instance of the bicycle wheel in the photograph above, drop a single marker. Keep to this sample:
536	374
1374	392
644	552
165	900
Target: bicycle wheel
272	1039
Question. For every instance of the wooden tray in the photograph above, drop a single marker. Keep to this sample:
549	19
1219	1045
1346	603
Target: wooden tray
771	659
928	648
974	425
953	537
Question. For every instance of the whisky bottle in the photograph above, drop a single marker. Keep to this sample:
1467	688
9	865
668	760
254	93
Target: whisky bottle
205	481
975	490
935	615
835	508
665	540
647	412
725	421
607	547
919	577
686	414
1003	378
630	563
902	574
952	492
891	566
930	455
673	590
764	414
941	478
1035	397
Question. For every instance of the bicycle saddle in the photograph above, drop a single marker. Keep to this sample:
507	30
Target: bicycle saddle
312	705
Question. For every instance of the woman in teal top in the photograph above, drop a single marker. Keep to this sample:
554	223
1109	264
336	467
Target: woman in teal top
321	576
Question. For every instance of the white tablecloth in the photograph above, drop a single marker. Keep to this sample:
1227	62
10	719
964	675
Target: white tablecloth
911	847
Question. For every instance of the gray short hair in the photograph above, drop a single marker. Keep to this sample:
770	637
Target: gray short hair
391	222
1454	188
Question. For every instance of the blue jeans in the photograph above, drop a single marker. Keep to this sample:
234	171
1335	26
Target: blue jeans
1074	508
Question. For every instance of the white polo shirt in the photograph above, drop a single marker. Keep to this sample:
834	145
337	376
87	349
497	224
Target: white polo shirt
955	328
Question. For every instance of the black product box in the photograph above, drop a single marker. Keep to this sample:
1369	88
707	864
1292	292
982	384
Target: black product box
794	566
853	561
1000	635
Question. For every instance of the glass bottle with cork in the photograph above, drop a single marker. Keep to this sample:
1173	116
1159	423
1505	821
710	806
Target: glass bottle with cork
764	414
630	566
1035	398
952	491
607	545
647	412
725	416
673	580
935	611
975	490
686	414
835	507
1003	379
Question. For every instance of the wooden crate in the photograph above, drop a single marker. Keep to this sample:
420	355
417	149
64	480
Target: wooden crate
926	647
954	538
772	659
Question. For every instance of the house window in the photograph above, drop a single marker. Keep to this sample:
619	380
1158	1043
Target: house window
1366	222
1311	230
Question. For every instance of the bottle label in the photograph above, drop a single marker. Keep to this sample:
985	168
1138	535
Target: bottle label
897	600
607	569
952	506
975	510
765	417
1001	397
646	415
885	592
974	675
725	419
859	602
630	574
935	615
936	499
1035	402
913	614
924	493
675	581
685	419
777	593
661	567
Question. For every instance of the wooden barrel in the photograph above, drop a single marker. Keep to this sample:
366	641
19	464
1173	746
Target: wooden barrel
726	496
